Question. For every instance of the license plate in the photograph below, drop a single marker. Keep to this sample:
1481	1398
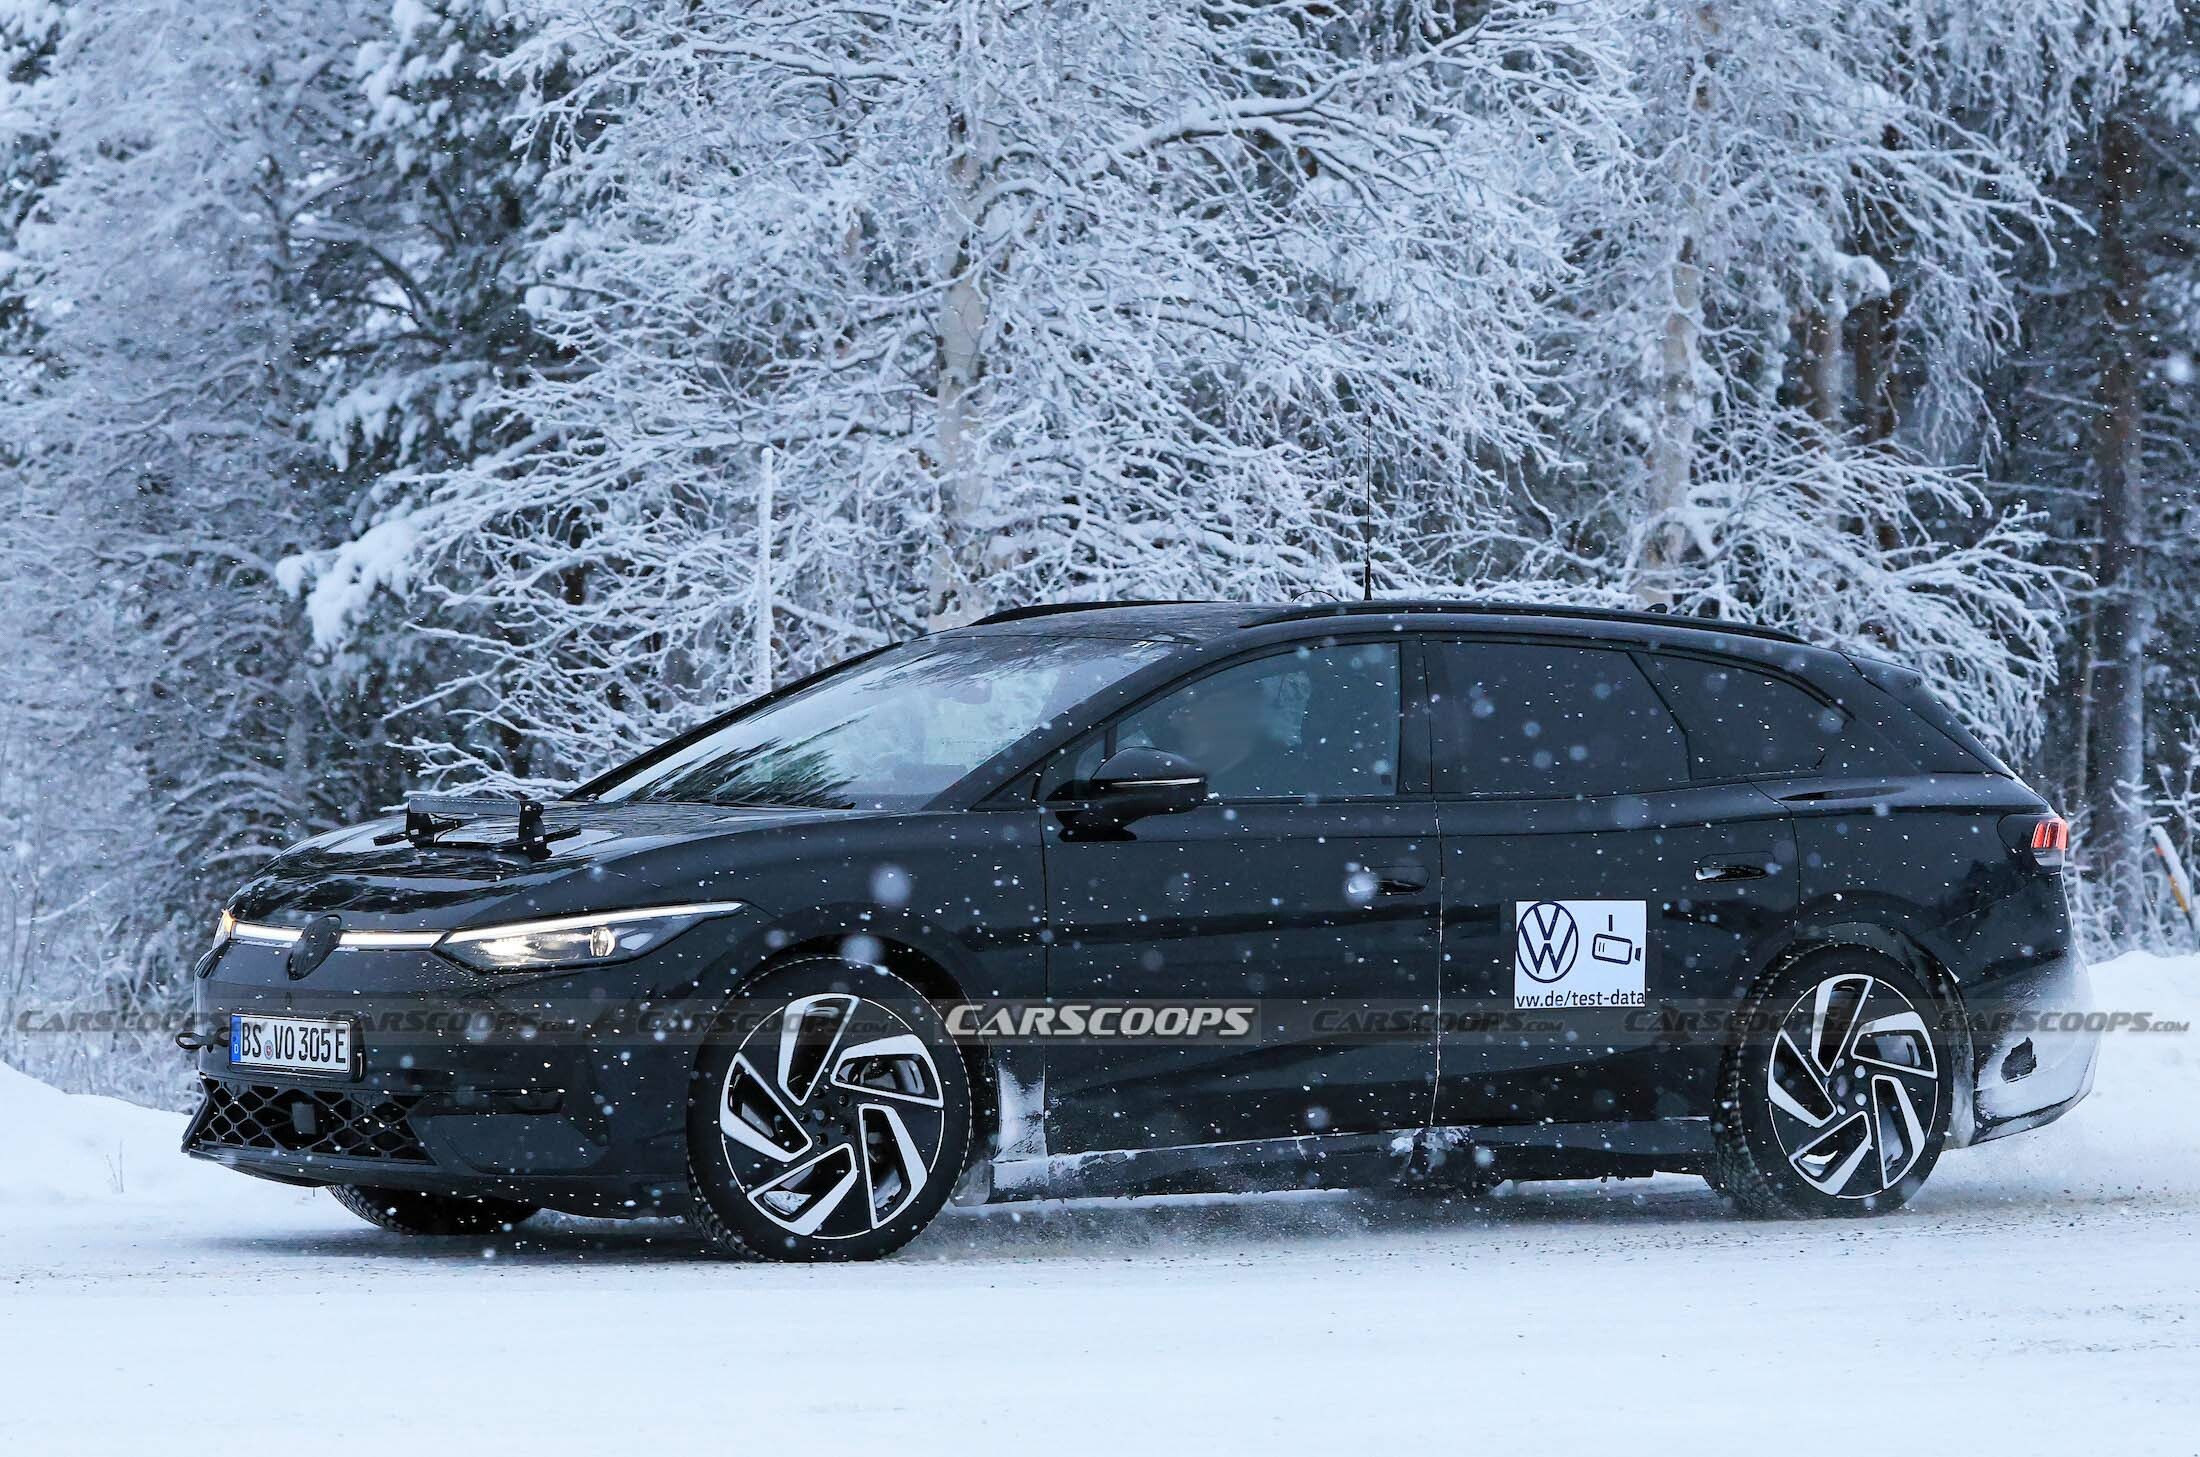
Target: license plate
291	1044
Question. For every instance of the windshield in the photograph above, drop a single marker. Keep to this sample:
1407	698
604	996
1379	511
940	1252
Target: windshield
892	731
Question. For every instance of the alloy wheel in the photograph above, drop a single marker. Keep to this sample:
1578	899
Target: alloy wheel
1853	1082
833	1117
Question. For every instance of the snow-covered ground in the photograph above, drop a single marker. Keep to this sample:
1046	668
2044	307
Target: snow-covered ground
2039	1297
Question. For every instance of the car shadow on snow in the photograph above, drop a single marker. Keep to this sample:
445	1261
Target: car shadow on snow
1101	1228
1218	1226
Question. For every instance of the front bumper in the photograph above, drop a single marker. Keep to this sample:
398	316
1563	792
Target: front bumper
567	1091
298	1134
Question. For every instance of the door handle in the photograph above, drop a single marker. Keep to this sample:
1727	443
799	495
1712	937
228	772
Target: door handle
1756	869
1839	792
1399	879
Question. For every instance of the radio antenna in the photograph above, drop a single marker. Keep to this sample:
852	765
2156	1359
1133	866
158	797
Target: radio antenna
1367	538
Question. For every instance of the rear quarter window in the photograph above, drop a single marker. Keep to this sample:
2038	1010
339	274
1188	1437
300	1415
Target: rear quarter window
1949	747
1740	722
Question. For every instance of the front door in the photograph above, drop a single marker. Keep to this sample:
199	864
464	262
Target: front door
1308	889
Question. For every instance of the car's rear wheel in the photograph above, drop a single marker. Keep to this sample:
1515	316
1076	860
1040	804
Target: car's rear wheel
829	1117
1835	1096
408	1212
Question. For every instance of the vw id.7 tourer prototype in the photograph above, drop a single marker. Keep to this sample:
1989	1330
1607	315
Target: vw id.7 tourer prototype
1158	898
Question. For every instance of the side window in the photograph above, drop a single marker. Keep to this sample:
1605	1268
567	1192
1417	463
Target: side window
1313	723
1741	722
1550	721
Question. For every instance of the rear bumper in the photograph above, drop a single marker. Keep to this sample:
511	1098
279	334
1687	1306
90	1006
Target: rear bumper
2036	1039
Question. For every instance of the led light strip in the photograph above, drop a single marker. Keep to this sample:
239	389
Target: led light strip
259	935
264	935
602	918
386	940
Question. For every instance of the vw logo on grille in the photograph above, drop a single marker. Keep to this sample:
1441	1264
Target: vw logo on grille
312	947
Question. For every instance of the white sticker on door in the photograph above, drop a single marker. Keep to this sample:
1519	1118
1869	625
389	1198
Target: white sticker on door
1578	953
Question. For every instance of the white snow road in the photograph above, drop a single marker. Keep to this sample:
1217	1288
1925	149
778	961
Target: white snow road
2043	1295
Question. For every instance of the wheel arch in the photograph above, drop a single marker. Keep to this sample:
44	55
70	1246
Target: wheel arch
1899	945
912	961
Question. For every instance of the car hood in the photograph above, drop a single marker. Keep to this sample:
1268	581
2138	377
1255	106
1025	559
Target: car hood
601	857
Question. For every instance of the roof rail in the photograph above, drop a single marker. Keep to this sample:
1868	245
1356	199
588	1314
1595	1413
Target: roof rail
1580	612
1055	609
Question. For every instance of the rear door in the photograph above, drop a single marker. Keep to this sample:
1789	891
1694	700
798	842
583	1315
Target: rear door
1593	882
1306	888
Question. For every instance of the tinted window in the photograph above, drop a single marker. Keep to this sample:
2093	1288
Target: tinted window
1551	721
1908	688
1313	723
891	731
1741	722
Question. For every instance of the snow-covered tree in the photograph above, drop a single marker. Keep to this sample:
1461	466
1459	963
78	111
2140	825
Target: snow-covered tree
2101	438
430	251
1020	302
402	388
195	279
1808	210
267	258
175	358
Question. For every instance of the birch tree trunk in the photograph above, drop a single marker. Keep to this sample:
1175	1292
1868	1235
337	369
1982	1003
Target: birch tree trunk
962	322
1820	384
767	483
1673	452
1680	344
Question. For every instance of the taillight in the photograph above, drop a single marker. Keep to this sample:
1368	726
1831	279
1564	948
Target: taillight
2050	842
2040	840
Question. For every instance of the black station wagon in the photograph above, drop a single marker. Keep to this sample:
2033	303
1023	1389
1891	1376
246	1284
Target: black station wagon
1173	897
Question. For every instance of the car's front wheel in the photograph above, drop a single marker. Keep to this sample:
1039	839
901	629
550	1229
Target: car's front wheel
829	1116
1835	1096
407	1212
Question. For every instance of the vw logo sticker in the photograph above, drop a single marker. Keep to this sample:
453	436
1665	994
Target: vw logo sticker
1549	940
1579	953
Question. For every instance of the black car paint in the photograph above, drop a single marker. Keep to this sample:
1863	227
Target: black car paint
1253	902
993	902
1641	847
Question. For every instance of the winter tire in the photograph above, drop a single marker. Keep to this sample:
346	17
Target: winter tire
406	1212
1835	1099
829	1119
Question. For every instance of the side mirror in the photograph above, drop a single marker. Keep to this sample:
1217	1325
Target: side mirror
1131	785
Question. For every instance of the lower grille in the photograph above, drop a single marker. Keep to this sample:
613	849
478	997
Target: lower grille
307	1121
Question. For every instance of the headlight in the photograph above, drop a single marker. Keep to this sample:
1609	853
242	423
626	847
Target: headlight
575	941
225	926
